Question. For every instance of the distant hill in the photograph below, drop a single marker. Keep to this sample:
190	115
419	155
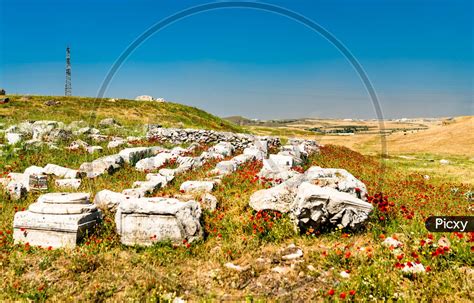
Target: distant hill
455	136
127	112
239	120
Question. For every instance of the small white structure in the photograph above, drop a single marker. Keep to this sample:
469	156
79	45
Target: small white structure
144	98
56	220
149	98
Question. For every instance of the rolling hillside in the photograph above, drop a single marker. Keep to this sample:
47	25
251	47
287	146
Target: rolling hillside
127	112
456	138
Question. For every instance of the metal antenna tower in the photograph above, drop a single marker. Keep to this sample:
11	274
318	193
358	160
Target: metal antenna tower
67	87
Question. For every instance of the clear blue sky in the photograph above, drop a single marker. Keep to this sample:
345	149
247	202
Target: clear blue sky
418	54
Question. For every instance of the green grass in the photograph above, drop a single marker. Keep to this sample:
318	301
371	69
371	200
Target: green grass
132	114
102	269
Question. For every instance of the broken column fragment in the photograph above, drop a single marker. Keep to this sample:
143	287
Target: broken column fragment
56	220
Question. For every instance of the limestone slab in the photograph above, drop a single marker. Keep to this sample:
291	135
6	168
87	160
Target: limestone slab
148	220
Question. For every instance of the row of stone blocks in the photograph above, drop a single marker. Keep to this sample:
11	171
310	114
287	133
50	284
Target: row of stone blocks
63	219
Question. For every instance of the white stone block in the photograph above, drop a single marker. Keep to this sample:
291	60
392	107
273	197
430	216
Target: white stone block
56	220
13	138
225	167
59	171
134	154
106	199
197	186
149	220
34	170
68	183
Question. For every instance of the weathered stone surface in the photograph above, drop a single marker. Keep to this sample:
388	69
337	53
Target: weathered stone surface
168	172
316	207
38	183
66	198
13	138
209	202
78	144
68	183
16	185
99	138
94	149
87	131
59	171
117	142
178	151
34	170
135	192
255	152
16	190
56	220
150	186
109	200
58	134
155	162
225	167
211	155
149	220
61	208
164	178
280	161
197	186
277	198
134	154
41	129
108	122
339	179
108	164
242	158
52	103
222	148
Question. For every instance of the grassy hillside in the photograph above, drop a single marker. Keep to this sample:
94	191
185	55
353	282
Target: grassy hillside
127	112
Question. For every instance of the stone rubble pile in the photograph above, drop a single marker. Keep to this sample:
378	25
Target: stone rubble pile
43	130
50	132
159	180
279	167
316	199
56	220
319	198
17	185
179	136
257	150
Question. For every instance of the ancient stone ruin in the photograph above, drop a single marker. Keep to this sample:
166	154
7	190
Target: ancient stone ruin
144	221
56	220
317	199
